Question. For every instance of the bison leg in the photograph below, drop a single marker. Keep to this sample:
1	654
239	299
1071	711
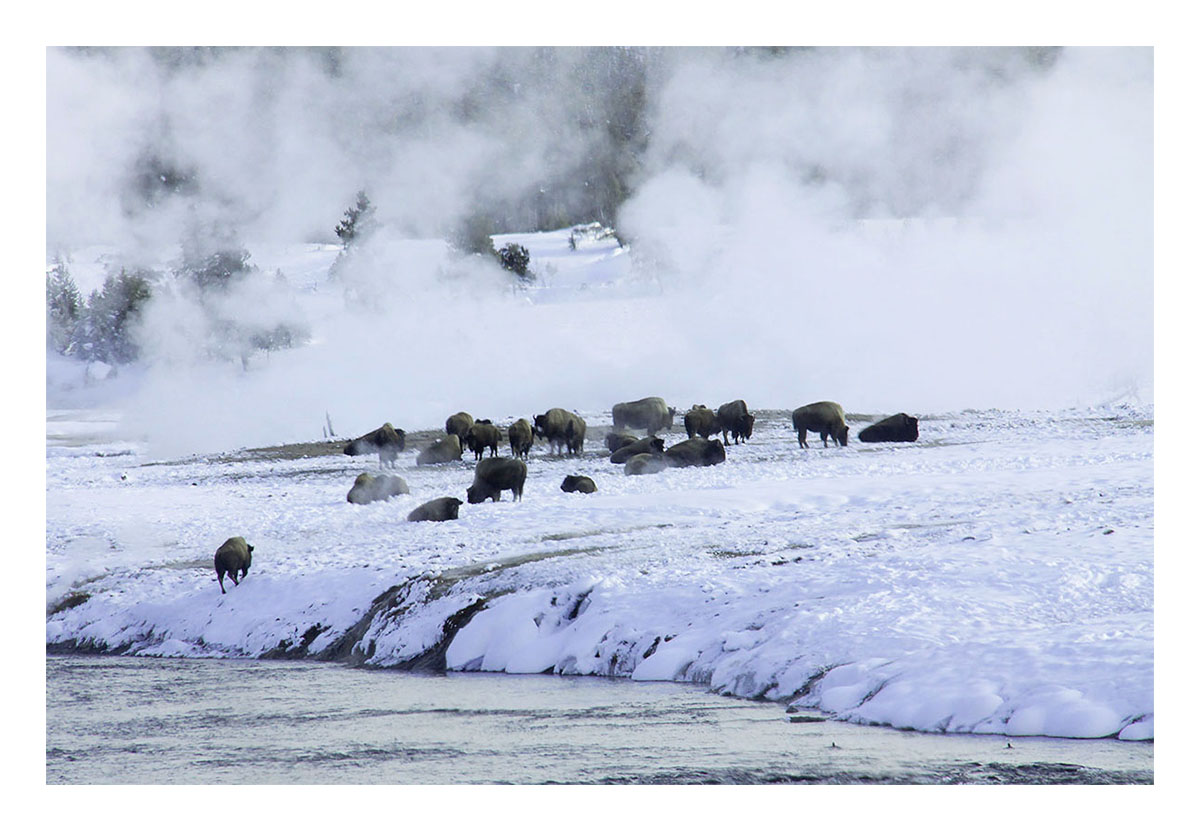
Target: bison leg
221	581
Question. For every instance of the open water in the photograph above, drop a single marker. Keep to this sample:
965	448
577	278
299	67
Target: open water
191	721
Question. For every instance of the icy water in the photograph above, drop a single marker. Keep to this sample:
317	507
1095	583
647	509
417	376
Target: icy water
186	721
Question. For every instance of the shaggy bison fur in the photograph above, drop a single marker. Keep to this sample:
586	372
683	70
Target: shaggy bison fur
561	429
650	444
387	441
483	435
899	427
233	556
492	476
520	438
645	463
734	419
695	452
436	510
649	414
444	450
824	417
458	425
368	488
578	484
700	421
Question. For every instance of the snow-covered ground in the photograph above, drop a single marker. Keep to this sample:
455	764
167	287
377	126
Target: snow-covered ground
994	577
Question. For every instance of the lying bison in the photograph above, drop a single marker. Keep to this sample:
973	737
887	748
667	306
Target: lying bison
651	444
561	429
492	476
482	436
642	464
695	452
578	484
436	510
444	450
615	441
458	425
520	438
649	414
900	427
233	556
824	417
700	421
734	419
368	488
387	441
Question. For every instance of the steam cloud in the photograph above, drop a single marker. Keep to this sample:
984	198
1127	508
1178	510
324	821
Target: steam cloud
894	229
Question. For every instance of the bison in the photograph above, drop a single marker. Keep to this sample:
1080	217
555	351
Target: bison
695	452
561	429
734	419
233	556
824	417
443	450
900	427
483	435
700	421
495	475
436	510
458	425
387	441
645	463
520	438
649	414
578	484
651	444
615	441
368	488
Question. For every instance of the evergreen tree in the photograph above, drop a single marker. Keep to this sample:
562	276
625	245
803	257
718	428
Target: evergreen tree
64	306
358	222
104	332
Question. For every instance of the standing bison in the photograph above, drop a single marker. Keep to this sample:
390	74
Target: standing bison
700	421
483	435
734	419
368	488
561	429
824	417
436	510
649	414
520	438
492	476
233	556
695	452
459	425
445	450
387	441
900	427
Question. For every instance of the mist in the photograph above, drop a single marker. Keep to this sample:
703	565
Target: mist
895	229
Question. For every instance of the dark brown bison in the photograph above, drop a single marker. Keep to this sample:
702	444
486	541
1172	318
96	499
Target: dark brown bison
561	429
700	421
696	452
734	419
436	510
651	444
458	425
482	436
368	488
520	438
649	414
578	484
444	450
900	427
233	556
824	417
645	463
492	476
387	441
615	441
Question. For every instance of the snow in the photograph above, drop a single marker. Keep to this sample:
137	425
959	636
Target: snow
994	577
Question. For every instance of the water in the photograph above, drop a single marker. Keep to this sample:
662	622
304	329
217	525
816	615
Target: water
188	721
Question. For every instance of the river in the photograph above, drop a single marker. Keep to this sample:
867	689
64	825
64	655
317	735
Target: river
113	719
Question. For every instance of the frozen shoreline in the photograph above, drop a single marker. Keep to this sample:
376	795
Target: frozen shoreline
996	577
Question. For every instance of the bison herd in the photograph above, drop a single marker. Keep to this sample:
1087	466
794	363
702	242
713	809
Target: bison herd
565	432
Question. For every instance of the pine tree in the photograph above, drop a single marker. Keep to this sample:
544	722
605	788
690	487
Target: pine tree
64	306
359	220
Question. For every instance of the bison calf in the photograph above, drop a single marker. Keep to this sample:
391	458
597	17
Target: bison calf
233	556
495	475
436	510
